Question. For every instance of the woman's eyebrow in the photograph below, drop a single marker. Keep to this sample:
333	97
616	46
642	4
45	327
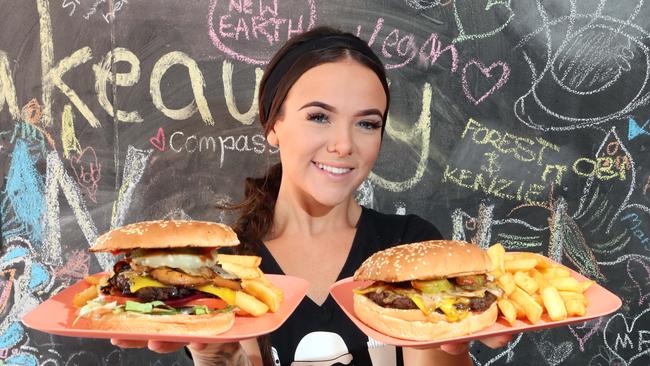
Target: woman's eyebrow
319	104
327	107
368	112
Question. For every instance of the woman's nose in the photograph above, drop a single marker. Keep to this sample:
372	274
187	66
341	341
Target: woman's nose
341	141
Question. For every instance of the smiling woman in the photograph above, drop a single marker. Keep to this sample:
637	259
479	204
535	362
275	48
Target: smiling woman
323	103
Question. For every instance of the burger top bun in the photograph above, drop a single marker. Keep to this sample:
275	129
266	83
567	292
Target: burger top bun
166	234
426	260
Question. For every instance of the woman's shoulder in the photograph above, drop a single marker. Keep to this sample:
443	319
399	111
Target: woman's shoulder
392	229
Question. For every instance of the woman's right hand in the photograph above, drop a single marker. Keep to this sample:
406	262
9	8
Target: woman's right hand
156	346
202	353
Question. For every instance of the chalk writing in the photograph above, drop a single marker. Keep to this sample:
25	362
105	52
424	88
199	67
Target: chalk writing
70	4
628	342
503	356
68	136
104	75
107	11
198	83
248	117
58	180
634	223
647	185
492	179
585	331
419	133
260	23
87	170
462	36
400	48
423	4
638	271
179	142
134	165
52	76
7	87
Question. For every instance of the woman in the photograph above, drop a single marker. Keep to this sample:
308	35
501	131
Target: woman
323	101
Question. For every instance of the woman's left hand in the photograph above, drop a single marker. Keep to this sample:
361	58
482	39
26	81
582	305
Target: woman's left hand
492	342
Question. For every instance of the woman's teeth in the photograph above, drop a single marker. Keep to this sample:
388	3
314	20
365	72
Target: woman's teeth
332	169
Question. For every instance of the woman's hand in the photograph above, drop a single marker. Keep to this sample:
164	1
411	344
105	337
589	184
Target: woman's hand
157	346
492	342
202	353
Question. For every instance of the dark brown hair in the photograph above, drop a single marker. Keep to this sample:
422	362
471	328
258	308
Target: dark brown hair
301	53
305	51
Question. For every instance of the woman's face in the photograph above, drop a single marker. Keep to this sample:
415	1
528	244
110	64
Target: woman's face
330	131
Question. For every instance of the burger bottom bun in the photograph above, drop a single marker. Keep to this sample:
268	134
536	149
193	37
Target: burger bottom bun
205	325
414	325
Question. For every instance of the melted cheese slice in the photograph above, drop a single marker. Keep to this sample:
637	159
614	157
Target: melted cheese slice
188	263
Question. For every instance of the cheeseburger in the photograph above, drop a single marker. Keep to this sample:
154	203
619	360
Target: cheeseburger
428	290
171	279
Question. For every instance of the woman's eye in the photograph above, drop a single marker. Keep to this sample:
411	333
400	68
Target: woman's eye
318	117
370	125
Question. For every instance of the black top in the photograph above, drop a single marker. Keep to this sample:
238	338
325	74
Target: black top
324	332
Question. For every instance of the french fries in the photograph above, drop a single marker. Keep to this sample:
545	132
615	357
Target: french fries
508	310
265	293
532	309
245	273
250	304
533	285
81	298
250	261
258	295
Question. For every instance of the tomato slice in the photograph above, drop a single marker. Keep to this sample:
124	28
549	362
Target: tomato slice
121	300
210	302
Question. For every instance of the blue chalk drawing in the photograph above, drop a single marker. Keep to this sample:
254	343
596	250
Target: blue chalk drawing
634	130
38	276
24	193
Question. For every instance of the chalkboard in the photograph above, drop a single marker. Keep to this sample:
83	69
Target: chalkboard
521	122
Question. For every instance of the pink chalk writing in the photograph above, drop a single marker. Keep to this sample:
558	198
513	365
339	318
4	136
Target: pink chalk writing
88	171
256	26
159	140
639	273
399	48
75	268
585	331
487	72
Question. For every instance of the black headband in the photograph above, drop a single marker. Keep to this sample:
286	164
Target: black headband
293	56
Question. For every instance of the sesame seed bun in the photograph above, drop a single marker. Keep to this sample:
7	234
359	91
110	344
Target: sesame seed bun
166	234
206	324
426	260
414	325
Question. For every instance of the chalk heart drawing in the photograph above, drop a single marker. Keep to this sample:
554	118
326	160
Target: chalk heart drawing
555	354
585	331
487	72
490	4
627	341
159	141
639	272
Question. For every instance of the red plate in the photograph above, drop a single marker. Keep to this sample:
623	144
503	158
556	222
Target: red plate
601	303
57	314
